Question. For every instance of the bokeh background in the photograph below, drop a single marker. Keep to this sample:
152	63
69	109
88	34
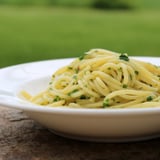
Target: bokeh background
33	30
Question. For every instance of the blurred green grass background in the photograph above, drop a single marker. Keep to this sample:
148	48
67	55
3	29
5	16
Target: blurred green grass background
39	32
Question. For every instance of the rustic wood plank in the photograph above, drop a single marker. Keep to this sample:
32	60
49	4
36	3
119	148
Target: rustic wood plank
23	139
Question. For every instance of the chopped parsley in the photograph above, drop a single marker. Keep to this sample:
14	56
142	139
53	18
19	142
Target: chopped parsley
81	57
83	97
149	98
50	83
106	103
124	57
70	93
124	86
70	68
57	98
136	72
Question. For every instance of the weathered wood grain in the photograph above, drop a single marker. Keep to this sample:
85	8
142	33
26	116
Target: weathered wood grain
23	139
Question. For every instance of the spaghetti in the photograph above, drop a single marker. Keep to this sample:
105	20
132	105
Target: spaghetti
102	79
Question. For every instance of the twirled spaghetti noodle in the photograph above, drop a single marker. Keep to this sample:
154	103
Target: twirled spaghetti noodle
102	79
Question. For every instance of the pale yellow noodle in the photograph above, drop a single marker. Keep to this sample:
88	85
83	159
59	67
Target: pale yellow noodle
102	79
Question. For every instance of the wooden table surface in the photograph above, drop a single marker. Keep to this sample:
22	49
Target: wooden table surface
23	139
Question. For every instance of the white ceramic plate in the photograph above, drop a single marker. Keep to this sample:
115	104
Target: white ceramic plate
107	125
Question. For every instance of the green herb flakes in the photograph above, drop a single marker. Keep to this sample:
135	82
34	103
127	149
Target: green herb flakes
124	86
81	57
106	103
136	72
124	57
70	93
50	83
70	68
149	98
57	98
83	97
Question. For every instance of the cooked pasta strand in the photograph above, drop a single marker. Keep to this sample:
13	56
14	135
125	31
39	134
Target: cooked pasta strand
102	79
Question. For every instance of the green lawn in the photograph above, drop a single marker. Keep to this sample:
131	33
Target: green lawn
38	33
150	4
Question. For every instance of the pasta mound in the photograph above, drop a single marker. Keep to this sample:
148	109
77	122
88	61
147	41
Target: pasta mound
102	79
